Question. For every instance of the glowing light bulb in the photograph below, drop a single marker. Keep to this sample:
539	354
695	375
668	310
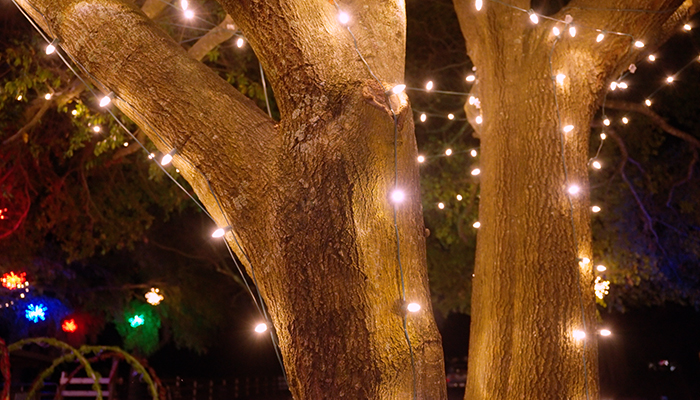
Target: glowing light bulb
579	335
104	102
533	17
96	128
166	159
151	156
574	189
413	307
560	78
153	297
126	144
639	44
478	4
429	86
595	209
652	57
476	224
556	31
184	4
603	136
601	268
220	232
69	325
475	172
397	196
240	42
74	112
398	89
19	98
613	85
585	260
606	122
473	153
421	159
47	96
647	102
459	197
687	27
622	85
670	79
605	332
479	119
600	37
450	116
471	78
344	18
189	14
472	100
572	31
441	205
597	165
625	120
448	152
51	48
423	117
568	128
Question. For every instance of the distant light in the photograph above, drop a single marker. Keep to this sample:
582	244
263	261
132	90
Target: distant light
595	209
459	197
625	120
670	79
189	14
478	4
429	85
560	78
574	189
605	332
473	153
606	122
126	144
104	102
413	307
597	165
136	321
74	112
448	152
556	31
47	96
69	325
687	27
423	117
421	159
96	128
219	233
476	224
261	327
601	268
184	4
397	196
240	42
36	312
622	85
647	102
579	335
153	297
398	89
572	31
471	78
600	37
603	136
19	98
166	159
652	57
476	171
479	119
450	116
441	205
533	17
639	44
568	128
344	18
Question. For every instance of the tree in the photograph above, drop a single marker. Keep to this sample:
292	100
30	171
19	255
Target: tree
533	275
308	198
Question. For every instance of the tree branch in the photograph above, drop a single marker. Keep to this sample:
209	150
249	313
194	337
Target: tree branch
685	180
213	38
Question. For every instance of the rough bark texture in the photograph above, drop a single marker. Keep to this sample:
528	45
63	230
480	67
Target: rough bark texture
530	291
308	199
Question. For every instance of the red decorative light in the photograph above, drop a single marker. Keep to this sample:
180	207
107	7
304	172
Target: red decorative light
69	325
2	213
12	281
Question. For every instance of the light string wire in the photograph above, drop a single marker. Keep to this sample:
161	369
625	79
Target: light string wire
395	217
261	306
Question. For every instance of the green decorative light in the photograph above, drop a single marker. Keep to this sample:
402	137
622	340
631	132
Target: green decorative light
136	321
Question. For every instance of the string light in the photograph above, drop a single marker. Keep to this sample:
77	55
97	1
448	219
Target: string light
595	209
605	332
47	96
572	31
421	159
556	31
601	287
448	152
471	78
560	78
613	85
647	102
398	196
343	17
601	268
423	117
596	164
478	4
568	128
574	189
585	261
413	307
441	206
639	44
459	197
687	27
136	321
36	312
240	42
153	297
475	172
579	335
429	86
189	14
606	122
184	4
450	116
477	224
603	136
533	17
96	128
625	120
622	85
69	325
261	327
19	98
51	48
670	79
479	119
168	158
74	112
651	57
473	153
398	89
220	232
126	144
12	281
104	102
600	37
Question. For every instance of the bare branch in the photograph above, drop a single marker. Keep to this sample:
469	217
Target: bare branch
685	180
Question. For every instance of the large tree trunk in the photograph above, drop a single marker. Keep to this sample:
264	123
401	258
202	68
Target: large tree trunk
531	290
308	199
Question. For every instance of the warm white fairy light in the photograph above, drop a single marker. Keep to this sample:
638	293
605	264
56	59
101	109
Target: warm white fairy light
585	261
601	268
398	89
261	327
96	128
240	42
606	122
652	57
429	86
104	102
47	96
478	4
421	159
670	79
579	335
343	17
51	48
450	116
568	128
74	112
441	205
398	196
184	4
601	287
603	136
572	31
19	98
126	144
560	78
600	37
479	119
639	44
556	31
167	159
153	297
687	27
574	189
473	153
533	17
413	307
475	172
471	78
472	100
448	152
189	14
459	197
220	232
647	102
625	120
596	164
423	117
595	209
622	85
151	156
605	332
476	225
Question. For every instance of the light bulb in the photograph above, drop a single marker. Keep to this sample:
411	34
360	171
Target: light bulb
556	31
568	128
574	189
450	116
459	197
533	17
51	48
472	100
413	307
19	98
344	18
595	209
605	332
151	156
606	122
74	112
421	159
687	27
478	119
600	37
597	165
622	85
104	102
560	78
397	196
471	78
423	117
670	79
189	14
625	120
448	152
579	335
261	327
47	96
476	224
126	144
478	4
475	172
219	232
96	128
166	159
585	260
601	268
613	85
473	153
429	85
184	4
639	44
647	102
441	205
240	42
572	31
652	57
398	89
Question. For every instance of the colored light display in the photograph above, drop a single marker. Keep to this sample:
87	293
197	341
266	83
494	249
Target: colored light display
136	321
36	312
3	211
69	325
13	281
153	297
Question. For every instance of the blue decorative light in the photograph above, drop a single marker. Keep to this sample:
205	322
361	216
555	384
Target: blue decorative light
136	320
36	312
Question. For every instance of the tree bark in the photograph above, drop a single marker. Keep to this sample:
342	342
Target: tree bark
531	290
308	198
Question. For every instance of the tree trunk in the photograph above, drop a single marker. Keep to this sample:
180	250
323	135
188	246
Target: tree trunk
308	199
